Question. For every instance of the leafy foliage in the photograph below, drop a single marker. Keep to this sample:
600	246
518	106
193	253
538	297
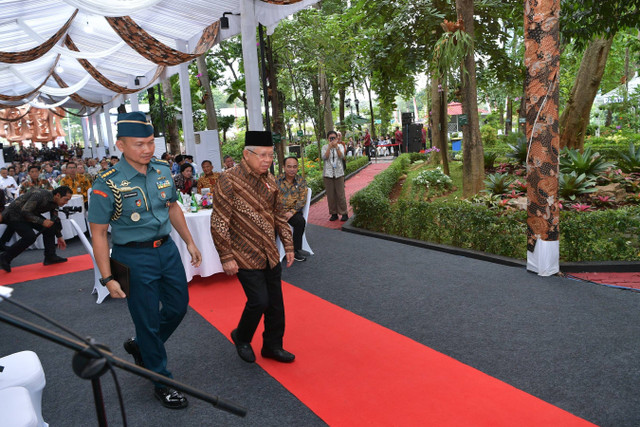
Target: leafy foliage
433	178
489	159
588	163
519	150
572	185
630	161
497	183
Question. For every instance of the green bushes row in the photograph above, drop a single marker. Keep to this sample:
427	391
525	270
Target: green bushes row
371	204
584	236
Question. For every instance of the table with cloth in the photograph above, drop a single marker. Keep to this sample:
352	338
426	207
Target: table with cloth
199	226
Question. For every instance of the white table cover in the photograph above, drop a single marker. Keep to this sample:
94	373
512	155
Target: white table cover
199	226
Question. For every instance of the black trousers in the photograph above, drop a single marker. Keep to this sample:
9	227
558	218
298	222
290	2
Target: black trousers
27	236
298	223
263	289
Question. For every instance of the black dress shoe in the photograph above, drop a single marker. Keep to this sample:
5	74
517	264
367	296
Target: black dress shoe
54	260
303	252
170	398
244	348
333	217
279	354
344	217
4	264
297	255
131	347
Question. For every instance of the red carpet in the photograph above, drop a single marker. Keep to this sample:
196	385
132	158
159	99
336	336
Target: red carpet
623	280
40	271
351	371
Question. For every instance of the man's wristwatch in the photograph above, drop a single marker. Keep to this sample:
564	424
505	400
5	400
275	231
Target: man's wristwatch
105	280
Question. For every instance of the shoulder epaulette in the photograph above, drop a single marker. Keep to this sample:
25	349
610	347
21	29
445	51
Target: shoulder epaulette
164	162
107	173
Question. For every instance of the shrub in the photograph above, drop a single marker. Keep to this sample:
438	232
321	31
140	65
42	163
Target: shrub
371	204
497	183
433	178
489	136
600	235
311	151
233	148
572	185
588	163
489	159
629	161
519	149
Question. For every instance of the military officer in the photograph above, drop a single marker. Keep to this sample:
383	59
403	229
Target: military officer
137	198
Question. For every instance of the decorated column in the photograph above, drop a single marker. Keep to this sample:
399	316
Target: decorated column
542	62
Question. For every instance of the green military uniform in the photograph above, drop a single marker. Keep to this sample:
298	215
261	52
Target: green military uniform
137	208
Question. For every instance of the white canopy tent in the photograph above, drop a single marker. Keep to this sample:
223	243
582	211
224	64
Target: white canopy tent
44	42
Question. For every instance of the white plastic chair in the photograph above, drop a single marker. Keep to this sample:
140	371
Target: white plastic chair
22	374
305	215
102	291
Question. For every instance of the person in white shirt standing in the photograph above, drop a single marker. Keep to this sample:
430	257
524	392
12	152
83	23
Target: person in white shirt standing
333	175
8	184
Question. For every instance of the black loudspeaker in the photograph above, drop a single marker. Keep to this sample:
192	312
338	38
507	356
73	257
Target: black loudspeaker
407	118
294	150
414	138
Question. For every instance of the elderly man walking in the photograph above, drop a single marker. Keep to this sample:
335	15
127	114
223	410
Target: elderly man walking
246	216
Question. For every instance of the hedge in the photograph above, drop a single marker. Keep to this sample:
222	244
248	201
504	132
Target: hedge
584	236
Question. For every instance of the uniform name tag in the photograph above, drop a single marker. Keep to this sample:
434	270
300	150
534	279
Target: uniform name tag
132	194
163	184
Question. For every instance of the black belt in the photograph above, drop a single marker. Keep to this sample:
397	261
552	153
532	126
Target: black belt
149	244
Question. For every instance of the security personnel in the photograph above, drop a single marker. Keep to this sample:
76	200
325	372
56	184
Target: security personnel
137	198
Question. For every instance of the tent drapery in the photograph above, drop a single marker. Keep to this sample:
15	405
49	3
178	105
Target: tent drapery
38	51
156	52
100	78
112	7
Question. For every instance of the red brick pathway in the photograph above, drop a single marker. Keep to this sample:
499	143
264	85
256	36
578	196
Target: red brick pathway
625	280
319	211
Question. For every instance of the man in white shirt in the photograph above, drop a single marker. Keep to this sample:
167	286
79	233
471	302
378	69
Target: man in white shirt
8	184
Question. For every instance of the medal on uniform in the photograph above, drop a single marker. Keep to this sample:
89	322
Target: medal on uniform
135	217
138	203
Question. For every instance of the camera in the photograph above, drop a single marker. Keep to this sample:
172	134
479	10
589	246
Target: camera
67	210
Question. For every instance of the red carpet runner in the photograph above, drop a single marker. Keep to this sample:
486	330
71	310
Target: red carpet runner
351	371
40	271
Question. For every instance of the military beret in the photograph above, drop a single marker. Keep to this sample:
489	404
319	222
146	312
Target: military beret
257	138
134	124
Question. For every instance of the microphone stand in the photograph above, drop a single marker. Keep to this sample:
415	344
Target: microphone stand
92	360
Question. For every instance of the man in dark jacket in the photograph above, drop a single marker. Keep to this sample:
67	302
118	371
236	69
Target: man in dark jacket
24	215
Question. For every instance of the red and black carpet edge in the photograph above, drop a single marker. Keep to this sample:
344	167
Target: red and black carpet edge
351	371
39	271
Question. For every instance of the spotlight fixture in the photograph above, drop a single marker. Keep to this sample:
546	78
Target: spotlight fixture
59	69
137	80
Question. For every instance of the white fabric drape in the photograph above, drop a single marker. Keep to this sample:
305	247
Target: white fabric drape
64	51
112	7
54	91
42	105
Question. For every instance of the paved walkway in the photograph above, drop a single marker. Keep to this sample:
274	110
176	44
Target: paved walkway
319	215
319	211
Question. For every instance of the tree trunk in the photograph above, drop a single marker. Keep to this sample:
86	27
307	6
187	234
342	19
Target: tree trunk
472	152
325	98
151	94
342	93
508	122
575	116
173	133
542	59
209	106
374	135
277	113
439	122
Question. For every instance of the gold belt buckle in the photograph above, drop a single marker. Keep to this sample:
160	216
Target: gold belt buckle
157	243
